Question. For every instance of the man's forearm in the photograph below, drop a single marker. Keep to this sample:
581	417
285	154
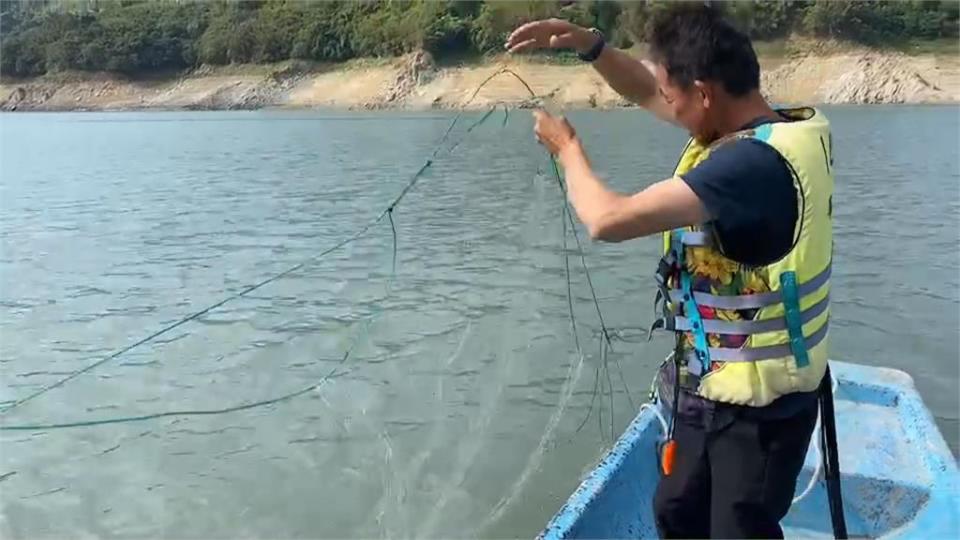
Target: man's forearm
626	75
613	217
591	199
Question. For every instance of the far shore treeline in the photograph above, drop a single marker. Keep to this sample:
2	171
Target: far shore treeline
143	36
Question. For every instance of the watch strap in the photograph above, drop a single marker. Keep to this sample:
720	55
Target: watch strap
594	51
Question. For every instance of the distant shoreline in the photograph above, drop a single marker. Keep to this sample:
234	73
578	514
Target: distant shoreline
414	82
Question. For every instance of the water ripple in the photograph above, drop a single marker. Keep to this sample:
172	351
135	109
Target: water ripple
115	227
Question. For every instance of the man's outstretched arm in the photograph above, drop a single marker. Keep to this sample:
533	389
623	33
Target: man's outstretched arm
630	77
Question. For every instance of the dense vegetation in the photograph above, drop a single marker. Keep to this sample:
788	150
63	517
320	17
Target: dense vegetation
132	36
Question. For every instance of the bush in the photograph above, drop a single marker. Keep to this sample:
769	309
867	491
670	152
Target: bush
766	19
228	37
276	25
880	21
447	35
635	17
496	20
387	30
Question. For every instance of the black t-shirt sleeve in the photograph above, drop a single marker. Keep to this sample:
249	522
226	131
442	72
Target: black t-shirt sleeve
748	190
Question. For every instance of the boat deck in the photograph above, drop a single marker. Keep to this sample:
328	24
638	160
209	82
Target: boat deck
899	478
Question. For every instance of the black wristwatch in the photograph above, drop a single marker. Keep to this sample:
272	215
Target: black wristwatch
594	51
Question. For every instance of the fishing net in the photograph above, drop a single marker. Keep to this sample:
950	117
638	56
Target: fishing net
393	382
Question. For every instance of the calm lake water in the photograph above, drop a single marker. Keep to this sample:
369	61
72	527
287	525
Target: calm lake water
456	412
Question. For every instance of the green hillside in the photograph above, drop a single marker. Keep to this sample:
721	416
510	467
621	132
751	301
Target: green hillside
141	36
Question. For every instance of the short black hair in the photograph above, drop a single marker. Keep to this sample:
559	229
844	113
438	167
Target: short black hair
694	41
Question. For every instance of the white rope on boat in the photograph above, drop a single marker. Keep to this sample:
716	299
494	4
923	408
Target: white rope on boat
818	470
655	410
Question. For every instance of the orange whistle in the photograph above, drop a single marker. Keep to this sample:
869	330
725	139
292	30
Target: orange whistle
669	454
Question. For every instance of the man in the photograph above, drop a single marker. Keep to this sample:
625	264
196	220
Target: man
745	274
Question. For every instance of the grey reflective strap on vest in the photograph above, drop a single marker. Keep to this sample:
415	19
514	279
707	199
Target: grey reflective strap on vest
696	238
760	300
754	354
742	328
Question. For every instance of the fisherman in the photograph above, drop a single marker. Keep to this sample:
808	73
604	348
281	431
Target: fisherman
745	274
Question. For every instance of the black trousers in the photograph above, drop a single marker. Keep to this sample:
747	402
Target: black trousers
733	477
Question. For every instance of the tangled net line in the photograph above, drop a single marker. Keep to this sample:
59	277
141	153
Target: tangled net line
607	336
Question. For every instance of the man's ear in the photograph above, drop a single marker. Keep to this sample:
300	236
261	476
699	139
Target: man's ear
704	93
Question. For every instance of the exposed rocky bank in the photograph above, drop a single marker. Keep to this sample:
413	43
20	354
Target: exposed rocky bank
416	82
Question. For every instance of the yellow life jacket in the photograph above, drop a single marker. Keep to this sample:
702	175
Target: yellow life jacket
748	335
